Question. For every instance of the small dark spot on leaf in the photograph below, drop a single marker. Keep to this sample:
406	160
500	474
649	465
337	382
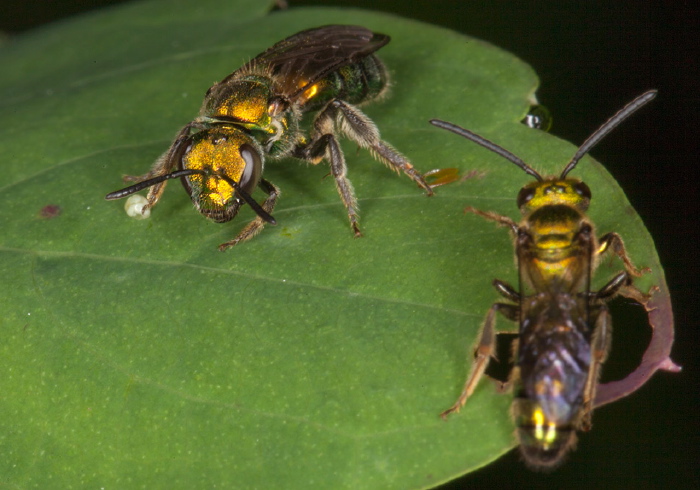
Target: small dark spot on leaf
286	232
473	174
50	211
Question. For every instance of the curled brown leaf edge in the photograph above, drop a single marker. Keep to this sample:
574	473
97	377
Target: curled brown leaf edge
657	355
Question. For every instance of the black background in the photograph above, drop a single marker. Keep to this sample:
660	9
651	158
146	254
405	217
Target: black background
592	58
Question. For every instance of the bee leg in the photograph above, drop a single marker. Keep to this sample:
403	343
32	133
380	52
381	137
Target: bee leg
600	347
618	247
162	166
622	284
508	292
354	124
256	226
491	216
326	146
482	353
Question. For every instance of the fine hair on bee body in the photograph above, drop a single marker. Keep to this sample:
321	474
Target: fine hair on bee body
563	326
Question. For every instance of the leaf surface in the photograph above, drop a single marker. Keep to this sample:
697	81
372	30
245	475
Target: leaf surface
136	354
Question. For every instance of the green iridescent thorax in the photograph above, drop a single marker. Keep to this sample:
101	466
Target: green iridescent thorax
245	103
246	100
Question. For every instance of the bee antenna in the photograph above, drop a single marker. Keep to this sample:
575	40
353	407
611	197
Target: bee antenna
249	200
609	125
488	145
132	189
184	173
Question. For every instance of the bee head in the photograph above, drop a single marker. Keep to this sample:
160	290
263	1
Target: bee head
218	156
554	190
570	192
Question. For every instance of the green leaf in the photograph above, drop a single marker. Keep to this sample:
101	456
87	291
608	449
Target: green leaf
137	355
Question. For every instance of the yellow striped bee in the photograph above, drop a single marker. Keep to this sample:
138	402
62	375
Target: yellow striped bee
564	328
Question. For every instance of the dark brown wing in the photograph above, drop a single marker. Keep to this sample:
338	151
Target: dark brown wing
304	58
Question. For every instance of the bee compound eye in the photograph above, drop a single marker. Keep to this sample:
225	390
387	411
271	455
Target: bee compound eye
583	190
524	196
253	167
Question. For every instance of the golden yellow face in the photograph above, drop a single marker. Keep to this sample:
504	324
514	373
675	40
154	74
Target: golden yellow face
223	151
569	192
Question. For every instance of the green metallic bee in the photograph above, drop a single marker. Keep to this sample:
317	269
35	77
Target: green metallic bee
564	328
255	114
